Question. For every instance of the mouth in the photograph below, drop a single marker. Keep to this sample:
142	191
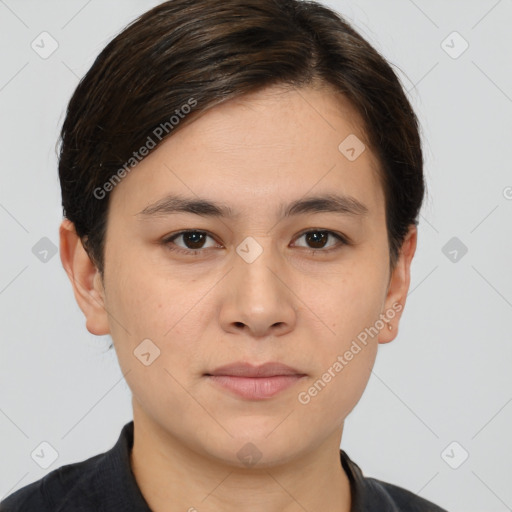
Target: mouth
255	382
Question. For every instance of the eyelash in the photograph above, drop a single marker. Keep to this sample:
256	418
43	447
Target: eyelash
195	252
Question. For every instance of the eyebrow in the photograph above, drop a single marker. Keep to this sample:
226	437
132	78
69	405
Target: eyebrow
332	203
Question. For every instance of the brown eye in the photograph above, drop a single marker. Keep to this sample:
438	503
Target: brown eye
318	239
192	242
194	239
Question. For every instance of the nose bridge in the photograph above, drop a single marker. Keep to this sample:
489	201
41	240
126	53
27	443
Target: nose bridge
256	259
256	297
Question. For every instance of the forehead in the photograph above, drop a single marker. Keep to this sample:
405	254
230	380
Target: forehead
279	116
278	141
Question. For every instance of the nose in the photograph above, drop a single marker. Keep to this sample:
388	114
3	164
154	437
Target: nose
257	298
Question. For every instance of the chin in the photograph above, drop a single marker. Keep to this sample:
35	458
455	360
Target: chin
257	448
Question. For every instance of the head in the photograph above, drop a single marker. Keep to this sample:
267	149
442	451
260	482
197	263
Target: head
284	144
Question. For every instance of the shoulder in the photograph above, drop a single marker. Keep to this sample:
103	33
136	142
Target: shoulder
101	483
28	498
374	495
60	486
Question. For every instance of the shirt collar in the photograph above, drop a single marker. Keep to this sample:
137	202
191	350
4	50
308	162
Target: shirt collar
368	494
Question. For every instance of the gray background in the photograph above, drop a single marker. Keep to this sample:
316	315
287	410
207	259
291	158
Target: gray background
446	378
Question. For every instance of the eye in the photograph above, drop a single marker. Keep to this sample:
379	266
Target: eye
193	241
317	240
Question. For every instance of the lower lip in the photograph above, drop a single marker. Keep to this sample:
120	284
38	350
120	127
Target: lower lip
256	388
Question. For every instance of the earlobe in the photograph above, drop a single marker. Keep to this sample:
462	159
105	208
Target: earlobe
85	279
398	287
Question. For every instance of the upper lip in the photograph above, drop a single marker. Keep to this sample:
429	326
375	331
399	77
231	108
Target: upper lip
241	369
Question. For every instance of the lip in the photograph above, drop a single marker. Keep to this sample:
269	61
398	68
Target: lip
255	382
241	369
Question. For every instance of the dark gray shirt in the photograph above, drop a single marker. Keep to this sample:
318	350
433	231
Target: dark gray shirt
105	483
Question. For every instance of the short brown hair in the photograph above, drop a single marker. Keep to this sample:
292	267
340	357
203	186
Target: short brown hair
214	50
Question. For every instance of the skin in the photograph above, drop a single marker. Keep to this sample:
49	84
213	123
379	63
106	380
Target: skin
289	305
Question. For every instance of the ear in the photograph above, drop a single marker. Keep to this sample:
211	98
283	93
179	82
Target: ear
85	279
398	287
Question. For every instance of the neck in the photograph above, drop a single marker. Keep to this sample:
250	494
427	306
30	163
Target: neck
173	477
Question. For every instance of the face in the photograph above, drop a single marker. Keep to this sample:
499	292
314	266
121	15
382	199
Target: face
251	284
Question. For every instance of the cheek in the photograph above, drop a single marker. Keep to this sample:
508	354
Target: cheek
142	299
136	302
349	307
145	305
325	401
349	300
